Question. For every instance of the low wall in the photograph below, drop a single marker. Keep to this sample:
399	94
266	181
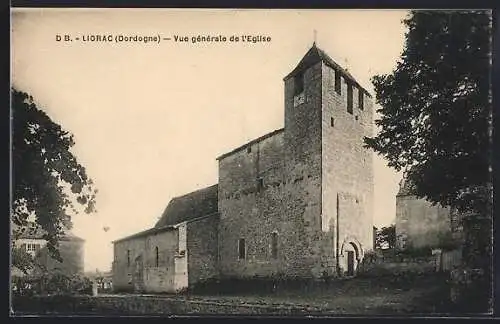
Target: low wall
137	305
391	264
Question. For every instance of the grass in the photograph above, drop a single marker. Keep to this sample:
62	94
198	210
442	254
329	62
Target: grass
410	293
403	294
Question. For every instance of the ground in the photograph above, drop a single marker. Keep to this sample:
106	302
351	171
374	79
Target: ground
389	295
362	295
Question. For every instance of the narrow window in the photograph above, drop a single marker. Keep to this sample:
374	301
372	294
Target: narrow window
241	249
298	84
332	121
349	98
249	149
338	83
157	257
360	99
274	245
128	257
260	184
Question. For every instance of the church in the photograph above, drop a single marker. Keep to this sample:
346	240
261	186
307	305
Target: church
294	203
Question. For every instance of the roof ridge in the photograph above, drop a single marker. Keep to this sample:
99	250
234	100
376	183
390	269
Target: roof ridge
196	190
255	140
315	55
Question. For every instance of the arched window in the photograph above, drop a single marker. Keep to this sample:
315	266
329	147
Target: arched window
157	257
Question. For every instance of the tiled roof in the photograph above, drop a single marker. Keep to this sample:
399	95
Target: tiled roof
190	206
197	204
147	232
315	55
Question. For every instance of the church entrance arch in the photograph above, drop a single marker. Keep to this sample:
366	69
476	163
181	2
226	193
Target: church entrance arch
351	254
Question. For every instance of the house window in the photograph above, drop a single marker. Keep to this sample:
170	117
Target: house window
128	257
157	257
332	121
298	84
31	247
260	184
338	83
274	245
241	249
349	98
360	99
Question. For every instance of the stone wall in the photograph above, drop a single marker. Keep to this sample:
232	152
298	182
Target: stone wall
347	166
419	224
140	271
302	190
303	170
250	210
202	249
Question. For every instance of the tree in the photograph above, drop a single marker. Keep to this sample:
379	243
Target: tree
436	109
47	181
386	237
436	119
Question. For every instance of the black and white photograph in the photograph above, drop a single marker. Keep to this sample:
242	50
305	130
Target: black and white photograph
251	162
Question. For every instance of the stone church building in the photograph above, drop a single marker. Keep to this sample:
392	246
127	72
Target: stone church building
296	202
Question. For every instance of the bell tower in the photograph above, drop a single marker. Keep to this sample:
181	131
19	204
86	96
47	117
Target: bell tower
328	172
302	150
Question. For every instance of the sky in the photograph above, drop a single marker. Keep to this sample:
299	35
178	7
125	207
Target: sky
149	119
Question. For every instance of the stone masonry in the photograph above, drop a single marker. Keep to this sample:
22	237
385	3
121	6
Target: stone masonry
419	224
296	202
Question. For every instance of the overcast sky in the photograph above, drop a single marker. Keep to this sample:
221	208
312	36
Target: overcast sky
150	119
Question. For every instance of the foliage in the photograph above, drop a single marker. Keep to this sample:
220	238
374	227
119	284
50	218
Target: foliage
386	237
46	176
436	109
21	259
53	283
413	252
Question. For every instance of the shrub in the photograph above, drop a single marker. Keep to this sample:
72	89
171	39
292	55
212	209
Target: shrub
50	283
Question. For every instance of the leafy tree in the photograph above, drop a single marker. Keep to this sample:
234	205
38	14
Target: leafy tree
386	237
47	180
436	109
436	114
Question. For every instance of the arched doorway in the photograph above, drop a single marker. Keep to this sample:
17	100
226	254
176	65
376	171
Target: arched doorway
351	255
137	275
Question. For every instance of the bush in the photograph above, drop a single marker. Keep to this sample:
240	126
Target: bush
471	290
52	284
